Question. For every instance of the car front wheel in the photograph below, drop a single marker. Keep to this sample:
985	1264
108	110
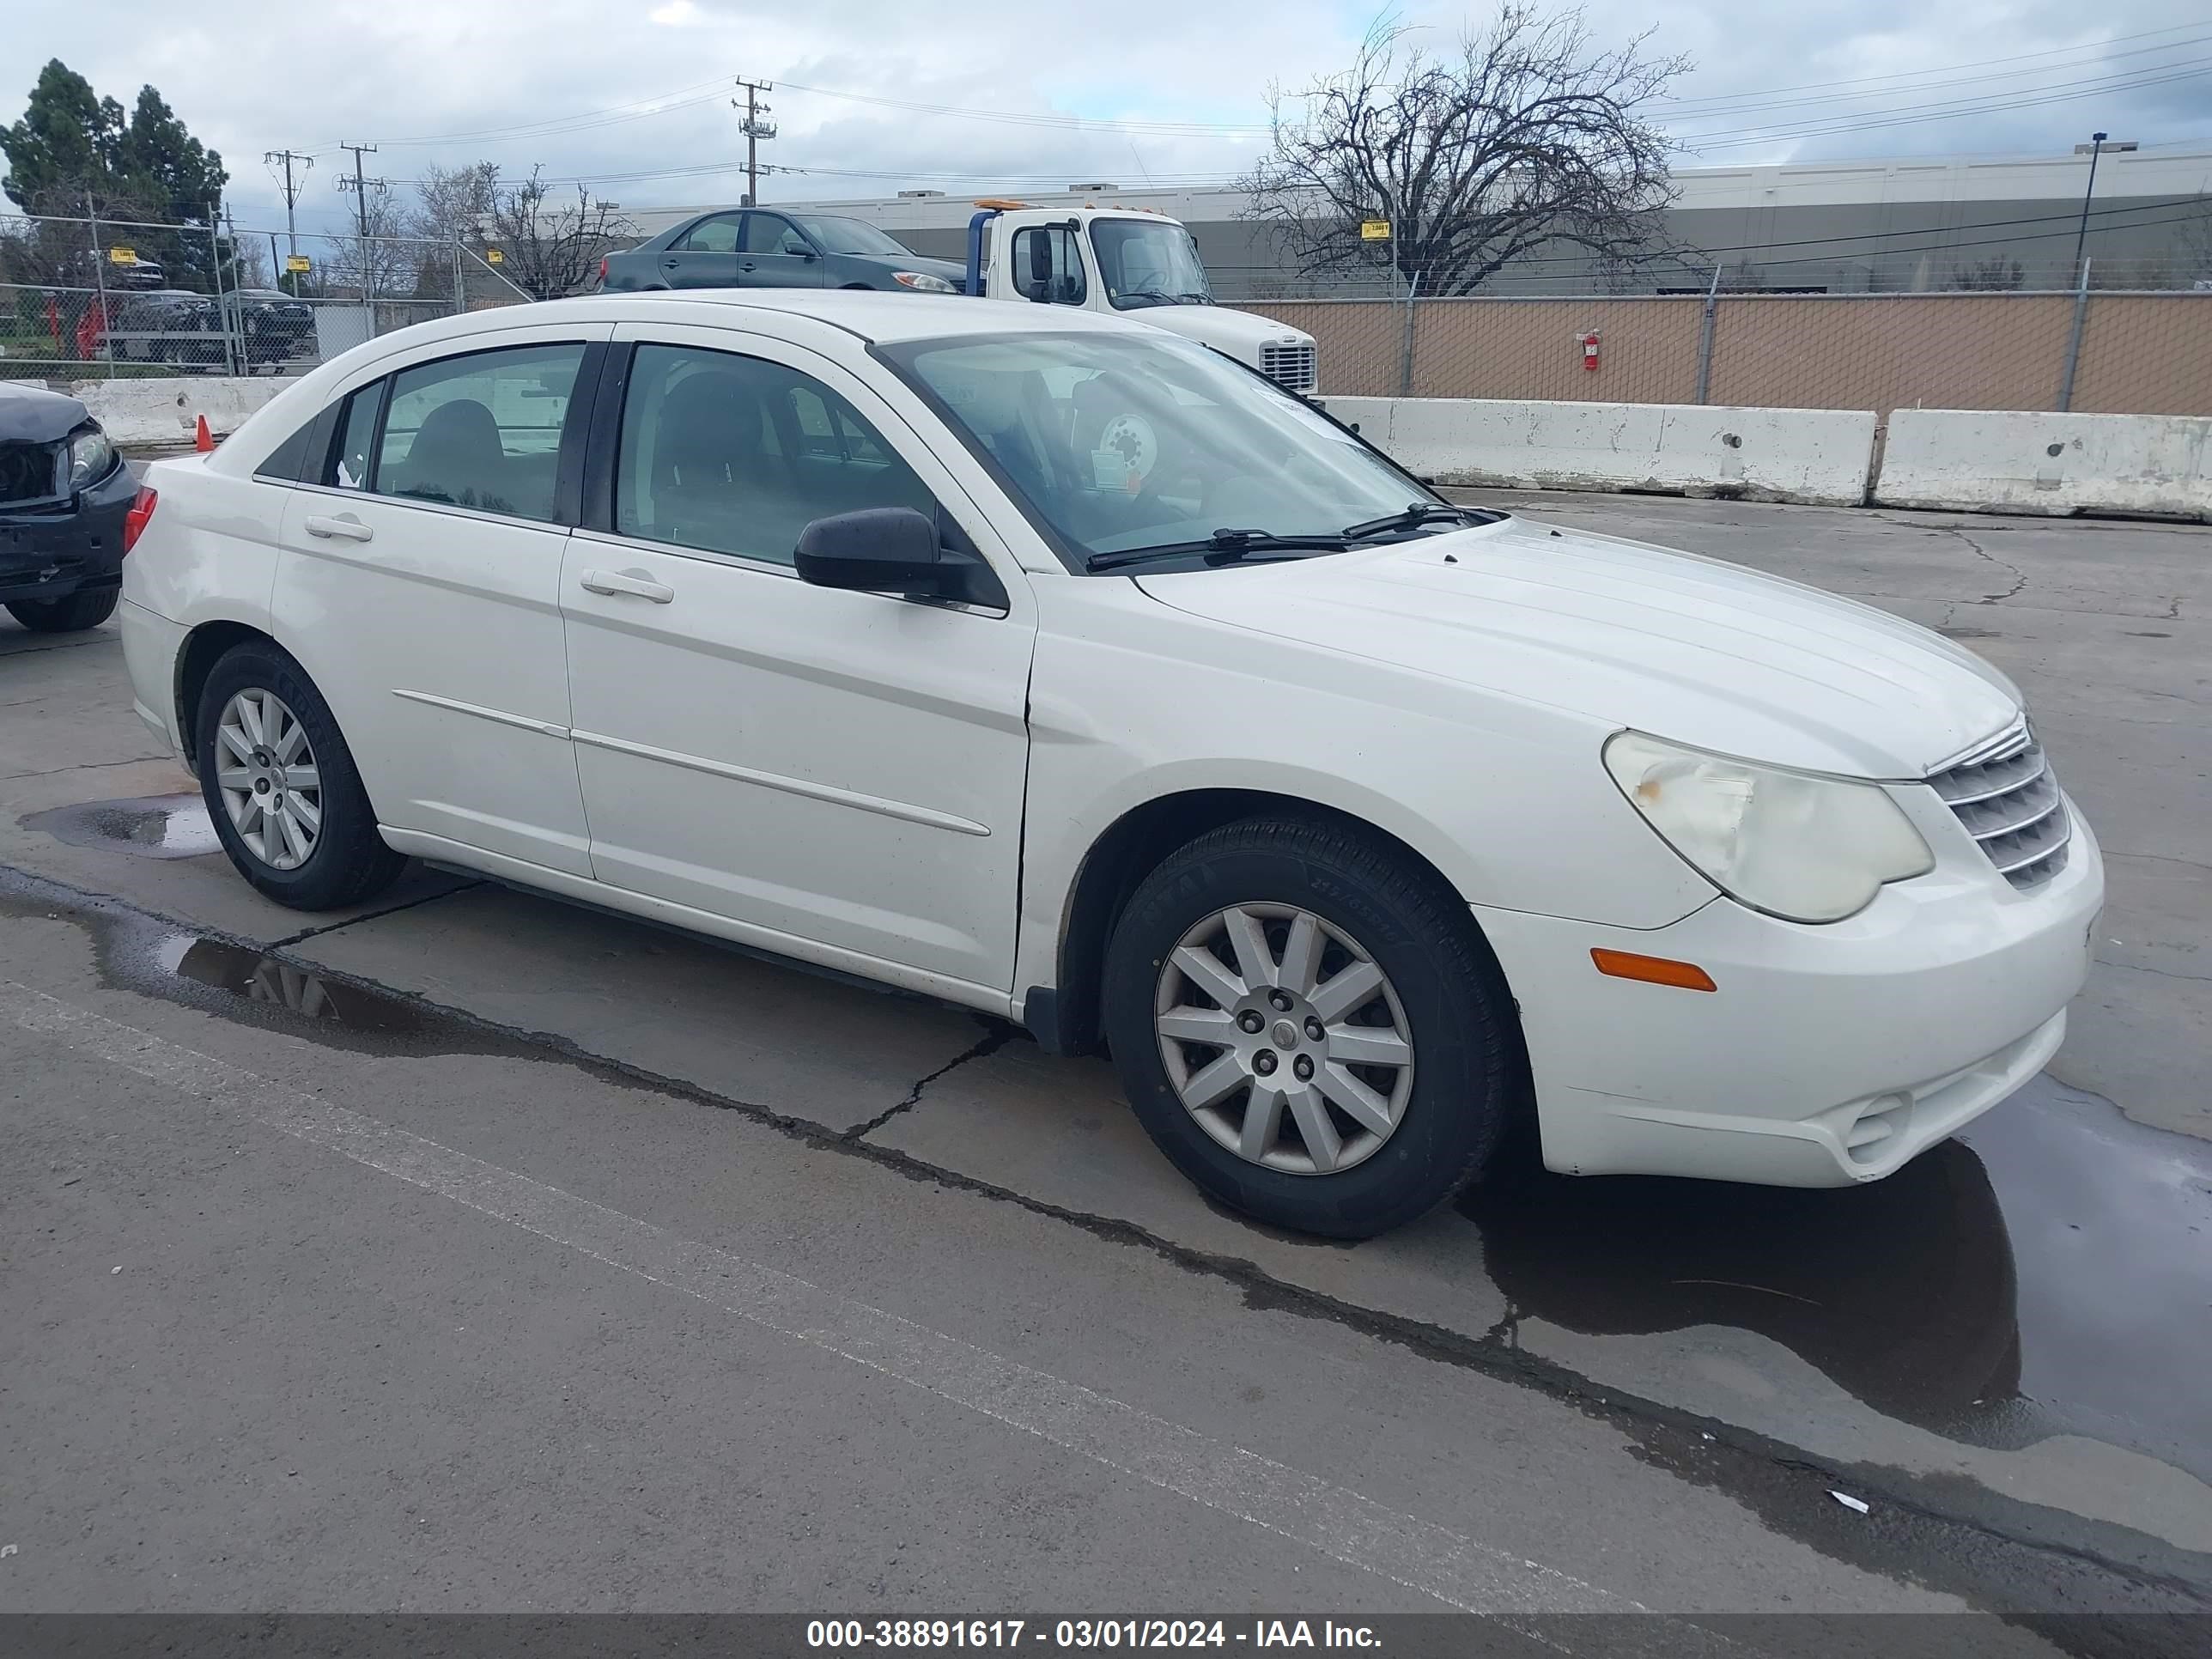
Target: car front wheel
281	785
1308	1024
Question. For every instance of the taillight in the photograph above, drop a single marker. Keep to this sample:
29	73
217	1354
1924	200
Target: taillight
603	268
134	521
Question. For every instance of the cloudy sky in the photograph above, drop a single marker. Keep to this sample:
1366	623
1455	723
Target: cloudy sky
875	95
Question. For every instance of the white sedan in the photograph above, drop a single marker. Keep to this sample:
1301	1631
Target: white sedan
1059	668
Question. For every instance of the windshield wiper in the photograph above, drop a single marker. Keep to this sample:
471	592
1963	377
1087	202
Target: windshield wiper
1414	516
1222	547
1152	293
1202	299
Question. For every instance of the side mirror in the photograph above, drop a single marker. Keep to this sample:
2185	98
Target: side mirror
1041	260
893	550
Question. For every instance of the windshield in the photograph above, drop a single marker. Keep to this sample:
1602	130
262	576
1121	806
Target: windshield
1113	443
849	236
1148	262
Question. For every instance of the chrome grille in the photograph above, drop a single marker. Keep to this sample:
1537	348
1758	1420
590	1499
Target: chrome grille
1291	365
2006	796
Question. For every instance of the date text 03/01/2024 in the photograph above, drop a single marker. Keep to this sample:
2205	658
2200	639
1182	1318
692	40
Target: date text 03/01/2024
1085	1633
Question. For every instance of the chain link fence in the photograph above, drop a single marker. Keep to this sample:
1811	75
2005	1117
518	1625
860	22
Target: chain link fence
88	297
2093	350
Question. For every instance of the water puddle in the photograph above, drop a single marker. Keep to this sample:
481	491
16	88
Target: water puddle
149	827
234	981
2049	1273
246	972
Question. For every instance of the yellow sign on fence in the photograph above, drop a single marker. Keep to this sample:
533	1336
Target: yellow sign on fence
494	257
122	255
298	264
1375	230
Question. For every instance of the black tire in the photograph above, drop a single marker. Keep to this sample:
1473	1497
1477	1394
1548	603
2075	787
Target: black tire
1469	1075
350	861
87	608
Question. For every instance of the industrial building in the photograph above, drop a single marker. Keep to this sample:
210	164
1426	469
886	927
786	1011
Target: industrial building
1907	225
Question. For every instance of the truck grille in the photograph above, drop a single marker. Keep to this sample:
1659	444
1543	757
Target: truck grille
2009	801
1289	366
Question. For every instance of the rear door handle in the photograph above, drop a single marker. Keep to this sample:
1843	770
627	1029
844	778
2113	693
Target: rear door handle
748	265
614	581
346	529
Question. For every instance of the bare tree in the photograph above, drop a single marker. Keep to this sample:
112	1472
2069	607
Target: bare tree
452	204
1529	138
1995	275
385	260
2193	245
552	247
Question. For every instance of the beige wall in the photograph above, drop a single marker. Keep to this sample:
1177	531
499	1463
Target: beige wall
2141	354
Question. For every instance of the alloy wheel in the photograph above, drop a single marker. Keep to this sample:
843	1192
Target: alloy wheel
265	771
1284	1039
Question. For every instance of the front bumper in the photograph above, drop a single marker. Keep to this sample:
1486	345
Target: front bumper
50	554
1827	1056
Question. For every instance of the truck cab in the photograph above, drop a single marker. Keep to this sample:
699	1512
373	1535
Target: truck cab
1130	262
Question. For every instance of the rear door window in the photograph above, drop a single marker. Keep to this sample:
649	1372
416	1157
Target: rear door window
482	431
715	236
356	456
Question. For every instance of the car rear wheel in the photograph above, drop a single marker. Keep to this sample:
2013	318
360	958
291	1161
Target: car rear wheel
87	608
281	785
1310	1026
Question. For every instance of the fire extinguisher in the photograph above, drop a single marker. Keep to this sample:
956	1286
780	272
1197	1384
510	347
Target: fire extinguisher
1590	350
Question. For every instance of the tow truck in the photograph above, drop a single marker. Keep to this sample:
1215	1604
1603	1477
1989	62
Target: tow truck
1131	261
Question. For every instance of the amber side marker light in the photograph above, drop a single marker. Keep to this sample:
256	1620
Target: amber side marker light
1654	970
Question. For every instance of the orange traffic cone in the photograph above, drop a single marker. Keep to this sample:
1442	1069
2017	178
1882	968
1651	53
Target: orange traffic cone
202	439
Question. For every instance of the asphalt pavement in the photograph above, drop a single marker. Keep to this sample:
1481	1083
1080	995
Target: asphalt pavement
479	1252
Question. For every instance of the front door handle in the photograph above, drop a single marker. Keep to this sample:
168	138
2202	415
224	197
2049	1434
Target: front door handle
346	529
670	264
614	581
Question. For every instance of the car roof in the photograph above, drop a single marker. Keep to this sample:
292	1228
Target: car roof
872	315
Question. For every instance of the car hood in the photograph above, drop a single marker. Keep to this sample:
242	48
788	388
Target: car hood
1685	647
31	415
1239	333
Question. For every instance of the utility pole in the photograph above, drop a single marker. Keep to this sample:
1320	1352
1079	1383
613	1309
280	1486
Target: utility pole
755	130
361	188
271	158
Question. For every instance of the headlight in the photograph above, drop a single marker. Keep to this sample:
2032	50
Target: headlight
1794	845
91	457
922	281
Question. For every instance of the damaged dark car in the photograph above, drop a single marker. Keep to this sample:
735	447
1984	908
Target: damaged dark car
64	497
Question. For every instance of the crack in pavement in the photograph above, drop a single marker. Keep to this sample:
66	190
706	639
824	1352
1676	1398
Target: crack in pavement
2163	973
995	1037
2019	576
82	766
307	934
2158	858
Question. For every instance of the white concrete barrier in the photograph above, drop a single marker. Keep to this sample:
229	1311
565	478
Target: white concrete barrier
1819	455
2005	461
167	411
